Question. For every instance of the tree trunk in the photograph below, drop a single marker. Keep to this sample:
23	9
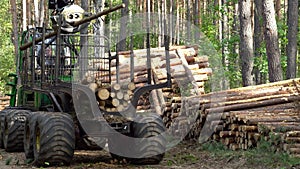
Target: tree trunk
24	13
235	47
246	42
224	32
159	39
99	29
272	44
123	26
36	13
83	61
163	14
217	21
170	21
196	19
177	33
278	9
258	40
188	17
291	48
15	30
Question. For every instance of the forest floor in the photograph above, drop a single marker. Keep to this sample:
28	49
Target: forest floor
188	154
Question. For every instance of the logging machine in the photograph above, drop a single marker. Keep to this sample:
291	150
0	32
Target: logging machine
63	95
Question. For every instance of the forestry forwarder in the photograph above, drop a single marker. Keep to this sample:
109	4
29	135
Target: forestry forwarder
54	107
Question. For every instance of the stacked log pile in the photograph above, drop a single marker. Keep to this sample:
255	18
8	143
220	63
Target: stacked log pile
244	116
183	60
4	102
186	67
189	75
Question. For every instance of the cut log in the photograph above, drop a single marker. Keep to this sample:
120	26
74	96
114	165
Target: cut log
120	95
254	104
131	86
103	94
116	87
126	97
93	87
115	102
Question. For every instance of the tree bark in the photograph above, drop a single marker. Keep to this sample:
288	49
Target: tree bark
258	40
196	19
246	41
15	30
177	33
99	29
235	46
272	44
188	17
278	9
83	62
26	13
36	13
123	26
163	17
224	29
291	48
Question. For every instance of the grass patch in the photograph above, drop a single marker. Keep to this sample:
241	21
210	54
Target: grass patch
265	154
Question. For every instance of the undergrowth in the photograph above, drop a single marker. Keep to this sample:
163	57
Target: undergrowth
264	155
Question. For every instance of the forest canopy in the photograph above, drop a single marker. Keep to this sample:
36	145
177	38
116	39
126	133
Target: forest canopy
7	57
242	32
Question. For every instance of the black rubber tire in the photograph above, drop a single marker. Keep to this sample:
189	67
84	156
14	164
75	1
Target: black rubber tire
14	130
152	149
53	139
2	125
28	135
123	148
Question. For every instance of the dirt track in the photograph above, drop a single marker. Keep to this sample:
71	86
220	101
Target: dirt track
187	155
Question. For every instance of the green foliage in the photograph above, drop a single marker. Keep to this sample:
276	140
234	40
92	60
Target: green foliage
283	41
264	155
187	90
267	153
7	58
182	158
210	30
261	62
214	147
8	161
233	72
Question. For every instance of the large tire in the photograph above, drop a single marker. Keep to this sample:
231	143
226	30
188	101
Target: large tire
150	150
121	147
53	139
2	125
29	134
147	151
14	130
